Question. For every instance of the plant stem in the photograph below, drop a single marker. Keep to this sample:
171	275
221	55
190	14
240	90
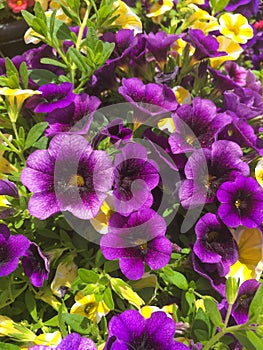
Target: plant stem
215	338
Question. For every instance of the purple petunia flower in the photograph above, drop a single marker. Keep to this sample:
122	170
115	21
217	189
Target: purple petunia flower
136	239
115	131
158	44
73	341
247	8
11	249
241	202
245	295
215	244
244	102
8	188
196	126
130	330
134	178
75	117
207	169
149	100
71	177
205	46
54	96
36	265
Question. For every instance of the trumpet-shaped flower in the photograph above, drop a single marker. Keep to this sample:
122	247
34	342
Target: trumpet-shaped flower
159	8
201	19
250	254
127	18
87	306
235	27
65	275
233	51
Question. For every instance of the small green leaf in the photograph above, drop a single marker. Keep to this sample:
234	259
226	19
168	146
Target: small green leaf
256	306
88	276
213	312
24	74
76	322
107	297
5	346
174	277
31	305
53	62
34	134
42	76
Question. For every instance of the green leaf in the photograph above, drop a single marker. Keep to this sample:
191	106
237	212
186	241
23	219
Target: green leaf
218	5
111	266
243	339
201	326
107	297
213	312
31	305
78	59
61	30
254	339
256	306
61	322
28	17
77	323
42	76
24	74
39	12
4	346
174	277
12	74
88	276
71	14
53	62
34	133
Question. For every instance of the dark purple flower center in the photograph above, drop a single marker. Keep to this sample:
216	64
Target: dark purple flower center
127	172
55	97
244	301
76	180
143	344
211	236
241	200
142	246
4	254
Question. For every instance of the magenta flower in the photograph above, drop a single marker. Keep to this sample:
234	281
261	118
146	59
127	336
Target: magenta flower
241	202
130	330
71	177
215	244
35	265
159	44
136	239
12	248
134	178
54	96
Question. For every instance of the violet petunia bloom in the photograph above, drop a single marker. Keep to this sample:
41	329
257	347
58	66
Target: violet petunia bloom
241	202
73	341
136	239
215	244
134	178
207	169
159	44
54	96
149	100
115	131
247	8
245	295
71	177
196	126
12	247
75	117
244	102
130	330
205	46
8	188
36	265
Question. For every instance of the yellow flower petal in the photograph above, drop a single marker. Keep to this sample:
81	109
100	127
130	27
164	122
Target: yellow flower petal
259	172
65	275
235	27
48	339
183	96
166	124
127	18
159	9
232	49
200	19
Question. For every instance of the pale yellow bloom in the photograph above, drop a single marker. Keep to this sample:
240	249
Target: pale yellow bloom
158	9
179	45
48	339
65	275
200	19
235	27
250	251
16	98
7	326
87	306
199	303
125	292
182	95
127	18
197	2
101	220
101	346
259	172
48	298
229	46
166	124
146	311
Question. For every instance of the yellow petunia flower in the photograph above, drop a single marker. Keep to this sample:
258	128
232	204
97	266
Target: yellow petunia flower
166	124
16	98
87	306
182	95
124	291
100	221
235	27
201	19
7	326
158	9
259	172
146	311
65	275
250	251
127	18
48	339
229	46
